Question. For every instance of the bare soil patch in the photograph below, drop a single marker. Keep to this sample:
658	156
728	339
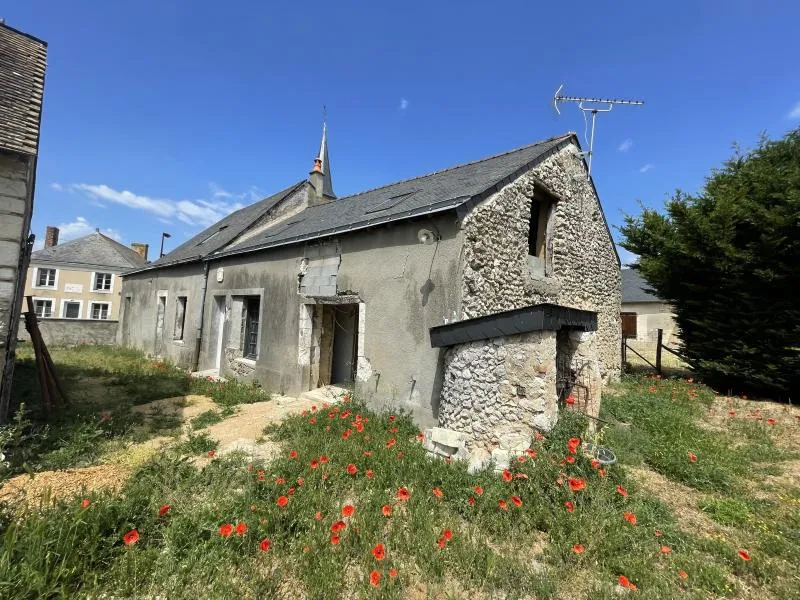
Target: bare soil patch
32	490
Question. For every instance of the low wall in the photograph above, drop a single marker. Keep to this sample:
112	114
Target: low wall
70	332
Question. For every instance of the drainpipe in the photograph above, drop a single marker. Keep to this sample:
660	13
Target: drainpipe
199	335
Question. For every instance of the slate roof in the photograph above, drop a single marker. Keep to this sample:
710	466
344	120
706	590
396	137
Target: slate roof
88	252
436	192
23	59
634	288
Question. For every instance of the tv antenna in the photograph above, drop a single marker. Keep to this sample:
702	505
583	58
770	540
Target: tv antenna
590	105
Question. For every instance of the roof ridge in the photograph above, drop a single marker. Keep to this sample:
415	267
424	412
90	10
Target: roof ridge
466	164
118	247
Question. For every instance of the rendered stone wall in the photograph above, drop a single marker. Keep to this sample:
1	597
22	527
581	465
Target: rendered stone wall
498	391
584	274
71	332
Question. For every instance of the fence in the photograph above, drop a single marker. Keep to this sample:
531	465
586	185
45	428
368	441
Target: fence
660	347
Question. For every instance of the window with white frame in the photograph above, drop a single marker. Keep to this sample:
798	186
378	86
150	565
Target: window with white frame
43	308
102	282
71	310
45	278
99	310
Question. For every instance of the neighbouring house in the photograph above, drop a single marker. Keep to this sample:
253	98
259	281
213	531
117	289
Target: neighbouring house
477	297
643	313
23	60
77	283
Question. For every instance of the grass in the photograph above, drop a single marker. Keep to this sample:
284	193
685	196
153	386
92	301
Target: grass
103	385
694	525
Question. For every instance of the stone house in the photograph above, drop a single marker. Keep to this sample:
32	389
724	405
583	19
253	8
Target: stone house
478	297
647	311
22	69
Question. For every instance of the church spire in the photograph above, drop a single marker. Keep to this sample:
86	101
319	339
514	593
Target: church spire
321	173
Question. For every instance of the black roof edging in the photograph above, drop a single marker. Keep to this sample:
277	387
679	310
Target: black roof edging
537	317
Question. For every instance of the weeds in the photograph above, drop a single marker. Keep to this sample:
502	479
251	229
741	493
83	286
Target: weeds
197	443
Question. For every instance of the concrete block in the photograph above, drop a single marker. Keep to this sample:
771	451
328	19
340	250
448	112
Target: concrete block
479	459
445	437
501	459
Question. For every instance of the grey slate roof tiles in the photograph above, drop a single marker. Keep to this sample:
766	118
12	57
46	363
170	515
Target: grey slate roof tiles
93	250
435	192
23	60
635	289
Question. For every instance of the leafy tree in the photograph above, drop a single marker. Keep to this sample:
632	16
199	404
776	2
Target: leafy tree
728	260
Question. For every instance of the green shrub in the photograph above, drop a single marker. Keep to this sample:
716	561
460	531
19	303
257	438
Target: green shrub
197	443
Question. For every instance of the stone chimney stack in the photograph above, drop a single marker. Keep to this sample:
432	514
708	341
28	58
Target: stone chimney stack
140	249
51	237
320	175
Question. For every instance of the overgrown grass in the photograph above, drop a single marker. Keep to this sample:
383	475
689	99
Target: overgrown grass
102	384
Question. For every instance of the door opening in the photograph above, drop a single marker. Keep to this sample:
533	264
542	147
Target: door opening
336	344
219	329
160	312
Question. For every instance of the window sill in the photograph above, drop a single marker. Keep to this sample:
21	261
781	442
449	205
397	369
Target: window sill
179	342
246	361
102	291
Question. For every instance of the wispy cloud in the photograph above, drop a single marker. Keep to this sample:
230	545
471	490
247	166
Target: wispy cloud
78	228
625	145
626	257
57	186
192	212
795	112
403	104
646	168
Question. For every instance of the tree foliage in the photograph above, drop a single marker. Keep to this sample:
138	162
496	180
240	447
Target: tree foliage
728	260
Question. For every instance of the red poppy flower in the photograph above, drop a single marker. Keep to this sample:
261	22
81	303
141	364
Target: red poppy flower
163	510
359	427
300	481
323	459
265	544
386	510
391	443
744	554
516	500
133	536
438	493
570	506
624	581
369	473
420	436
403	494
692	457
331	414
212	453
313	407
313	420
521	476
402	454
290	491
595	463
657	533
348	510
392	418
338	526
335	539
570	400
374	579
665	549
282	501
318	516
622	491
530	452
478	490
771	421
392	572
447	534
572	444
507	476
522	458
379	552
569	459
345	414
280	481
538	436
367	453
471	501
352	469
683	574
502	504
576	484
578	548
441	542
601	473
293	454
629	517
346	434
86	502
226	530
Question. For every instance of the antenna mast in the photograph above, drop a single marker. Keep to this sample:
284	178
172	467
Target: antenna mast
591	108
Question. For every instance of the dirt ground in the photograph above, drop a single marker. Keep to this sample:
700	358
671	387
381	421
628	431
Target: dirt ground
240	432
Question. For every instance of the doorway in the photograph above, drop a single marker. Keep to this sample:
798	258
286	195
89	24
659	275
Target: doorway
335	344
160	312
218	324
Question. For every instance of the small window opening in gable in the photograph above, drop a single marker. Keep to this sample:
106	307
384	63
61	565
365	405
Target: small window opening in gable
216	233
180	317
542	206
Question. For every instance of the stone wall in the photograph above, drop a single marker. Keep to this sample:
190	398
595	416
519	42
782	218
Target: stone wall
71	332
584	271
498	391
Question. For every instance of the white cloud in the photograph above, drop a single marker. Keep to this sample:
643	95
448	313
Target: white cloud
192	212
626	257
625	145
647	168
57	187
81	227
403	104
795	112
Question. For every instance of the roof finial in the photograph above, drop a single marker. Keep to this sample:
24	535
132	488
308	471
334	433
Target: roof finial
322	161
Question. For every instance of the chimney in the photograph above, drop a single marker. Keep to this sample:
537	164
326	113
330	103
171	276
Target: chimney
320	175
51	237
140	249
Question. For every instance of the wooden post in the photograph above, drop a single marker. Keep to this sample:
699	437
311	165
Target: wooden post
624	352
658	350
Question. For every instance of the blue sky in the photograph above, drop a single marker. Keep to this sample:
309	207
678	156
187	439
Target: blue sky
163	116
